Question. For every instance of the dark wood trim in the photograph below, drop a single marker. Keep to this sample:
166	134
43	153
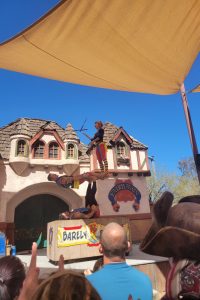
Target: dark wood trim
130	158
8	229
114	159
121	130
138	160
147	160
143	216
141	172
47	132
140	216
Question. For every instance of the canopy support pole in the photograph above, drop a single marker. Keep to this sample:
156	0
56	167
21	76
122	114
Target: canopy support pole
190	130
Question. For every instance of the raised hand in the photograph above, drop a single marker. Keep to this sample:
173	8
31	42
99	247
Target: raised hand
31	281
61	263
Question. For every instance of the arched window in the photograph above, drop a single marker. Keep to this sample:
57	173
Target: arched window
71	151
121	149
22	148
53	150
38	149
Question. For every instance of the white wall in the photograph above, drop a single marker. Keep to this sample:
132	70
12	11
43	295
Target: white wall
104	187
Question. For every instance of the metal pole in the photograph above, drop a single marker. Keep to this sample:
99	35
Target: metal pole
151	158
190	129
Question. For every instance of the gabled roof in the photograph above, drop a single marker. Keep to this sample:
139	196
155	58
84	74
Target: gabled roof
47	130
48	126
112	133
32	127
120	132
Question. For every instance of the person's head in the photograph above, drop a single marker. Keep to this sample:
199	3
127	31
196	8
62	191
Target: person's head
91	202
98	124
93	207
12	275
68	285
114	243
52	177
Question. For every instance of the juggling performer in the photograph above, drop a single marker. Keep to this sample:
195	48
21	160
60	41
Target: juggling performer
98	143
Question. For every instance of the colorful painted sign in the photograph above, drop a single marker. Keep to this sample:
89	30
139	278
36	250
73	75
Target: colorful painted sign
82	234
77	235
124	190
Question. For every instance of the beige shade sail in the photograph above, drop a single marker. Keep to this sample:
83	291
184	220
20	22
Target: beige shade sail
196	89
134	45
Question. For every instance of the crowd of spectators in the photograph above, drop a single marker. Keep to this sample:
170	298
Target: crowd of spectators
112	278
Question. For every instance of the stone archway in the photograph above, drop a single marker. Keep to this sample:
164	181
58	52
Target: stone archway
32	216
70	197
40	203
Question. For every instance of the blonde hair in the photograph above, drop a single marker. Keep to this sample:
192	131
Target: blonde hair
66	285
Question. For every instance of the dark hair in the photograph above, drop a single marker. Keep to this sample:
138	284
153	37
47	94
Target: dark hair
90	194
115	251
68	285
12	275
49	177
100	123
98	264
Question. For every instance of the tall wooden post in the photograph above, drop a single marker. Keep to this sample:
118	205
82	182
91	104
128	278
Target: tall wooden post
190	130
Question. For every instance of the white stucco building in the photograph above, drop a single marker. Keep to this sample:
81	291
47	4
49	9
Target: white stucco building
32	148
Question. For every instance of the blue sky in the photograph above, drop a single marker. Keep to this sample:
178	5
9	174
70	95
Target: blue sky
156	121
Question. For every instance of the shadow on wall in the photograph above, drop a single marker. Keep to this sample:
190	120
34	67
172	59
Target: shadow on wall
3	176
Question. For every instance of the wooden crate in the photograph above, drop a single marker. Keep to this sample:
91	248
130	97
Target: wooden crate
77	239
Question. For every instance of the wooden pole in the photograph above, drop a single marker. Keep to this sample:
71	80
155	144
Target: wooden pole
190	129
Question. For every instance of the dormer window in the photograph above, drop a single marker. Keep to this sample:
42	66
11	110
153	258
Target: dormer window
121	150
22	148
122	154
71	151
38	149
53	150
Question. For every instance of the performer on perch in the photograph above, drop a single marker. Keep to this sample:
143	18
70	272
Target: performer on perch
75	180
101	149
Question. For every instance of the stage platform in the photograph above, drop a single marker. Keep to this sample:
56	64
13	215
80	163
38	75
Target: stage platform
155	267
